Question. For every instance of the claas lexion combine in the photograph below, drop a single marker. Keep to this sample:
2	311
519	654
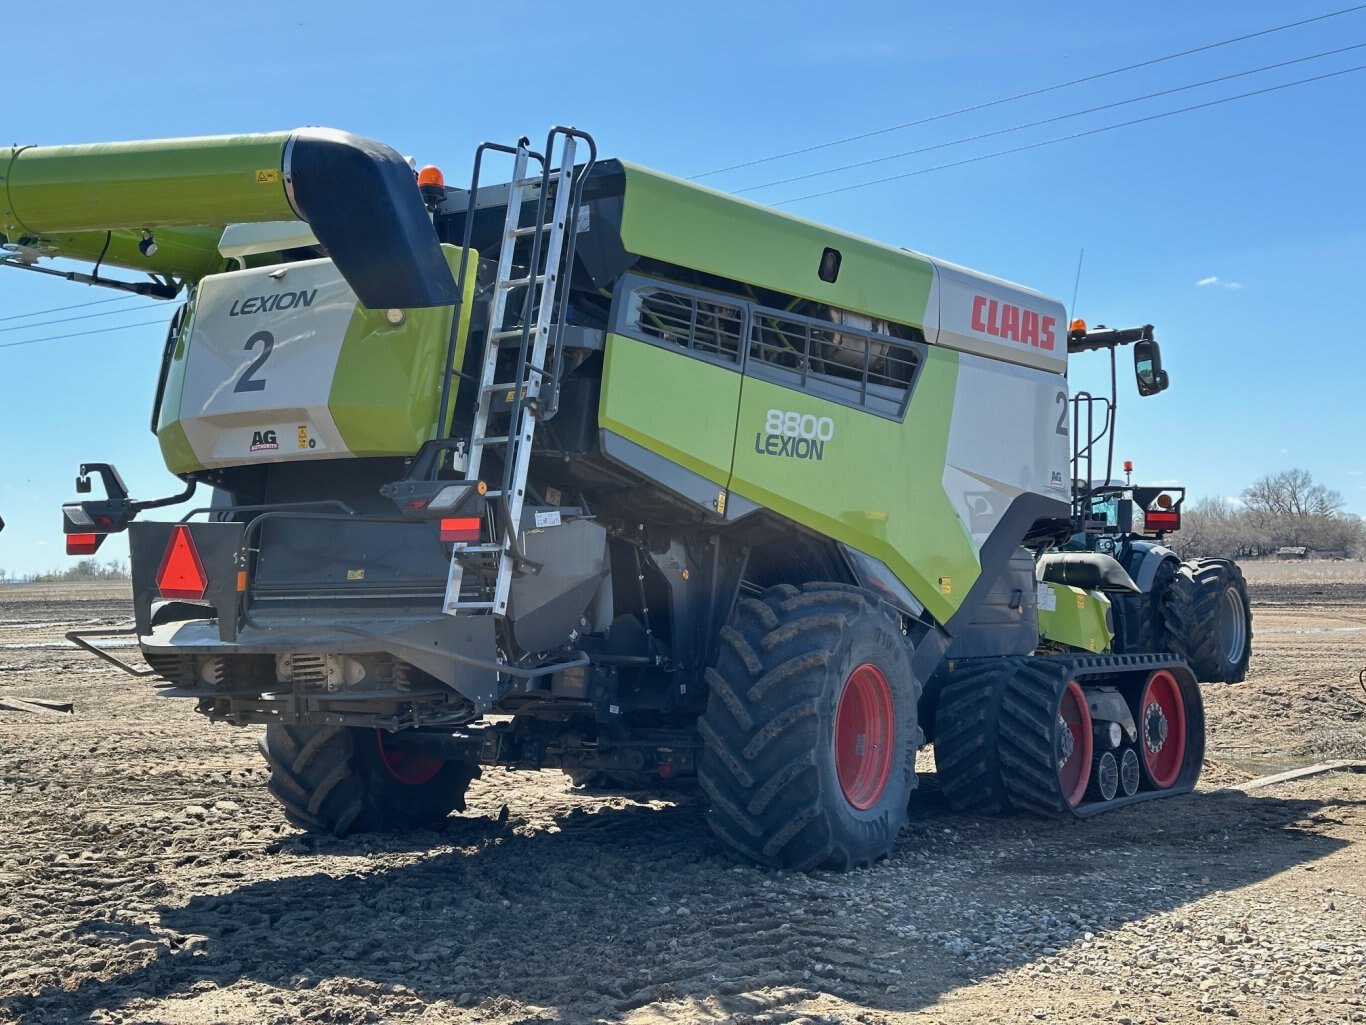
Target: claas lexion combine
602	471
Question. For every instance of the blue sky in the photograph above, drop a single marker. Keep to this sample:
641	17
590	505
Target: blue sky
1238	230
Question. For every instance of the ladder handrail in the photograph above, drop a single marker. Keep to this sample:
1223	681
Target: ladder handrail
536	341
551	407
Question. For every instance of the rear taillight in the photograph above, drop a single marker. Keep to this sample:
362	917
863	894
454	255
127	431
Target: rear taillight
460	529
1164	520
83	544
181	574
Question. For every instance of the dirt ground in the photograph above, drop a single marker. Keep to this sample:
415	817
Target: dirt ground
146	876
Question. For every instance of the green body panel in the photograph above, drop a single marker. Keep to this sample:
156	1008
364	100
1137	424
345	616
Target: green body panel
185	253
157	183
1078	619
692	226
877	484
387	384
176	450
679	407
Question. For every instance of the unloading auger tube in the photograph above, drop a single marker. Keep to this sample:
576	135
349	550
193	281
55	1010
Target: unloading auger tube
359	197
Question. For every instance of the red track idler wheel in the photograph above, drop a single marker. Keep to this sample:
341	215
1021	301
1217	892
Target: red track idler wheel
408	767
1162	729
865	732
1073	744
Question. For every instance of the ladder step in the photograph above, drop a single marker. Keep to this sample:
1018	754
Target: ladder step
478	549
539	279
501	439
513	332
470	605
530	229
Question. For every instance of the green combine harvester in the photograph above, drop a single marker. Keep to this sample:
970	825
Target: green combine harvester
599	470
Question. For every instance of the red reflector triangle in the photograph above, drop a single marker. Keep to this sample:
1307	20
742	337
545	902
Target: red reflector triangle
181	574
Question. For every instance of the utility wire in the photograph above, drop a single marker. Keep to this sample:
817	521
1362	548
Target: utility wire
1044	121
82	334
73	306
1025	95
1075	135
83	316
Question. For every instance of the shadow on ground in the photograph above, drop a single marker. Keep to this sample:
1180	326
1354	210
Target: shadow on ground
625	907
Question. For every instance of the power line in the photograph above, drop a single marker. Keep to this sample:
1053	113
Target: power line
73	306
1044	121
82	334
83	316
1075	135
1025	95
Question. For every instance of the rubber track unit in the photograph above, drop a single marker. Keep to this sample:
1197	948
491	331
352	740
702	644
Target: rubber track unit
769	765
995	722
1192	610
330	779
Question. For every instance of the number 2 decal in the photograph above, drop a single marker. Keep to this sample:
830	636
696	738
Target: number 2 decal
1061	400
247	382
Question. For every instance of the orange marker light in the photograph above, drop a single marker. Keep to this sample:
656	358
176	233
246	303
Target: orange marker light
1128	466
1079	325
432	185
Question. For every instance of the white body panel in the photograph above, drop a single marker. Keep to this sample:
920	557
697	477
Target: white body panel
1008	436
990	317
257	377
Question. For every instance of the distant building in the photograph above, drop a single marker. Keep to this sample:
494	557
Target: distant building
1293	552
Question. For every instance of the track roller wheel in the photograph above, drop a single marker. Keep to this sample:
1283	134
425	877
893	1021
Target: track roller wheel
1104	778
1130	773
339	780
1162	730
810	729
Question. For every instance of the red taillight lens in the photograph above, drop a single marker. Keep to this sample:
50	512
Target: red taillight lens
82	544
461	528
182	574
1159	520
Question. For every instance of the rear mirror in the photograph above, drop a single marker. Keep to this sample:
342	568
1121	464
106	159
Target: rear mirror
1148	372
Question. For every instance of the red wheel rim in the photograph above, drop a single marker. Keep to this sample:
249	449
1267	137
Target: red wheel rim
408	767
1073	744
865	731
1162	729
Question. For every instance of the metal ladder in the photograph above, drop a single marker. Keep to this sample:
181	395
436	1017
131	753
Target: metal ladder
536	292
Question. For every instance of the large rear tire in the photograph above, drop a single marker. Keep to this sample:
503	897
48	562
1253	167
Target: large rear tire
340	779
810	730
1209	620
1140	619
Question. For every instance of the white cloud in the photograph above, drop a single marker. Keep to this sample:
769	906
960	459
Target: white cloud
1231	500
1213	279
1354	473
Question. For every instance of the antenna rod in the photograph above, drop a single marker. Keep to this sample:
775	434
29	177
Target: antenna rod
1076	285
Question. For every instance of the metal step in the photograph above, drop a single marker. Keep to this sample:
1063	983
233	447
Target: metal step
510	283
